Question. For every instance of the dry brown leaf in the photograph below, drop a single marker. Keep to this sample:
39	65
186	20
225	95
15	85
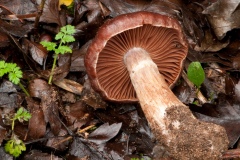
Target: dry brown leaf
70	86
223	16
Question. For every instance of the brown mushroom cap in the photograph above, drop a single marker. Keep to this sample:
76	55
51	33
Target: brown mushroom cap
161	36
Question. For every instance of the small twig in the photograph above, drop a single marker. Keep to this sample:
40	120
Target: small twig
86	128
40	10
216	67
64	140
200	96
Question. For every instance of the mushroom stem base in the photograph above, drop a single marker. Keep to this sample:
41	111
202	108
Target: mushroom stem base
172	123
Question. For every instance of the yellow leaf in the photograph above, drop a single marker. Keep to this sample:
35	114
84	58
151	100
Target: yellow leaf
65	2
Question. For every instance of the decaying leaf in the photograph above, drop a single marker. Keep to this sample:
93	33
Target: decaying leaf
104	133
82	149
210	43
49	102
14	29
4	41
70	86
37	51
51	13
77	63
35	154
37	124
92	98
223	16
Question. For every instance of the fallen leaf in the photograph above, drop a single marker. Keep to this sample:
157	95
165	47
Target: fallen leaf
223	16
4	155
92	98
36	154
210	43
50	12
70	86
104	133
77	58
15	29
37	124
82	149
37	51
49	102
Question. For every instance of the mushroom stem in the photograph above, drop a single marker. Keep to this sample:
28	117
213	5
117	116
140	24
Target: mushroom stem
172	123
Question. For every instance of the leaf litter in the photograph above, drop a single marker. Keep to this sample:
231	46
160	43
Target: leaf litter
72	121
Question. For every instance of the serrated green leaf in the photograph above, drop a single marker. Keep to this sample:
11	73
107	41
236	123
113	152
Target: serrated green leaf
196	73
27	116
60	35
63	50
13	78
2	72
3	68
68	38
19	111
15	147
68	29
11	66
50	46
2	64
22	115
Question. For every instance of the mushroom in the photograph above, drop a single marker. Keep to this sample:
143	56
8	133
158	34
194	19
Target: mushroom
138	57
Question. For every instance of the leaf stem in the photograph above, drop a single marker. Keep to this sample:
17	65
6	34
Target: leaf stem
13	123
53	67
54	64
24	90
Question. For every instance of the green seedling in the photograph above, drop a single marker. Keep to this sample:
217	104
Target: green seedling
196	74
15	146
65	36
14	74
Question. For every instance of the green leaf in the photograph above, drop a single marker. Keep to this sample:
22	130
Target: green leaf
15	73
15	147
13	78
11	66
2	64
49	45
60	35
63	50
22	115
196	73
68	38
3	69
68	29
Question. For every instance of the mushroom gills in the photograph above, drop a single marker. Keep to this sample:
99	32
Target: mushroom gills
163	46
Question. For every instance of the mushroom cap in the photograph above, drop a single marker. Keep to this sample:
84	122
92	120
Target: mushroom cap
160	35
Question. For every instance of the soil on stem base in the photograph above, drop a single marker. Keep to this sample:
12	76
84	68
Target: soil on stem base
174	126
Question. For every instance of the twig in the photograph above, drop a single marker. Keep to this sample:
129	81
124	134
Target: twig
40	10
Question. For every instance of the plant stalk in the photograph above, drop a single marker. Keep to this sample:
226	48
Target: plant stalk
23	88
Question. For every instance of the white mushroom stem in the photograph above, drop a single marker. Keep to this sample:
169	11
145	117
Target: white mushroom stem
174	126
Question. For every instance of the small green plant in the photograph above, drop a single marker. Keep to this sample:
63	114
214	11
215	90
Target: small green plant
196	74
65	36
15	146
14	74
